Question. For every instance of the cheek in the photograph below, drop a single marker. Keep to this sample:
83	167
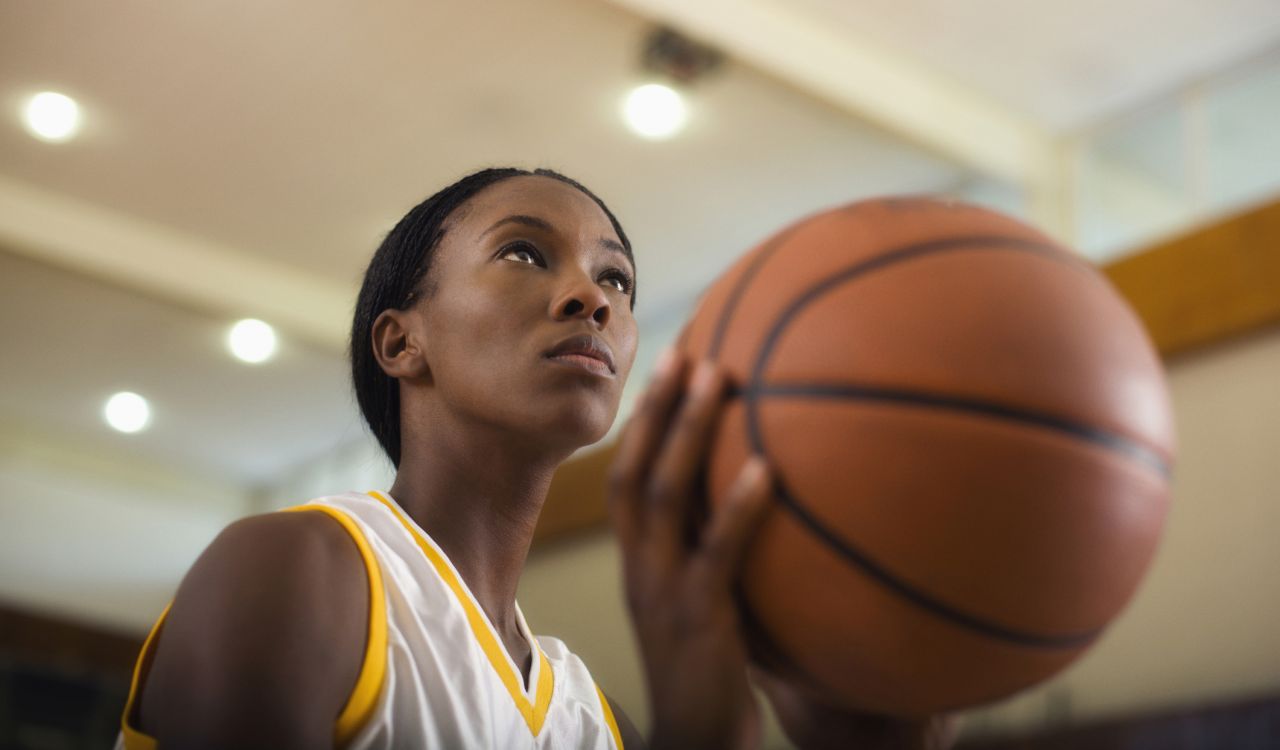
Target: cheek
481	352
628	340
477	343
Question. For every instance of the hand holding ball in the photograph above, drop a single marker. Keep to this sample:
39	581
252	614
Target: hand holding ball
972	443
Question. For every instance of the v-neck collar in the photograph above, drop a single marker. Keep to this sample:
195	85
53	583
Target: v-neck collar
531	700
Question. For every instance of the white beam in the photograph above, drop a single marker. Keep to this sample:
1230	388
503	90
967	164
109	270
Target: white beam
166	263
892	91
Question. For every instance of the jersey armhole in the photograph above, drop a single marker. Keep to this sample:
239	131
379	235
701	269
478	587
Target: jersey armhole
364	696
609	719
132	738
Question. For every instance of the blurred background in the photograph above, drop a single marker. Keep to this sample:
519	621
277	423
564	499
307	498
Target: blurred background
200	164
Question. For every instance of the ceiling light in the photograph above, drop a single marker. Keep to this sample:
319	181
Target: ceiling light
51	116
252	341
127	412
655	111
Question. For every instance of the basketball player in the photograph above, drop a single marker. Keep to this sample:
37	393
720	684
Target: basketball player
492	337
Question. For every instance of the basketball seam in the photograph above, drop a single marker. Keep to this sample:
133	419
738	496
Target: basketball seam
926	601
731	304
748	275
1071	429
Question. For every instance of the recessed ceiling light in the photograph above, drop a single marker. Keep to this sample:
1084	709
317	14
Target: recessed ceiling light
127	412
51	116
655	111
252	341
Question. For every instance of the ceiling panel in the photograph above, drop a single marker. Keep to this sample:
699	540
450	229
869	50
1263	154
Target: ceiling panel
70	342
1067	64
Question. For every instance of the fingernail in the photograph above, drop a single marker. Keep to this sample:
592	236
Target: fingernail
665	363
756	470
704	377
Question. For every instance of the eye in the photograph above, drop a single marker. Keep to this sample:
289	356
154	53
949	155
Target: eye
523	252
620	280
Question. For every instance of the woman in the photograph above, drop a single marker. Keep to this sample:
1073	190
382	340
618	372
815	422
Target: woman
492	337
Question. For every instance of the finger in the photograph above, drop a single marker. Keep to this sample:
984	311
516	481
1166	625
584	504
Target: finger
733	526
639	444
671	487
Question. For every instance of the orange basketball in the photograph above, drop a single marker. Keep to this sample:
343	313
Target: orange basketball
972	441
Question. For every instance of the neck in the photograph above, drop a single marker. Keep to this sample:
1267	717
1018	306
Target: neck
478	493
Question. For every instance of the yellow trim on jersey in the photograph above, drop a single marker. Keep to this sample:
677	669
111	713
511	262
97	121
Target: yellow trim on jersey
364	696
608	718
133	739
534	713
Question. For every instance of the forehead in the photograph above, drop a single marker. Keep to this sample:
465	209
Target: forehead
564	206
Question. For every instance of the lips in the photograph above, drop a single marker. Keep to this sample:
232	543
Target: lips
584	345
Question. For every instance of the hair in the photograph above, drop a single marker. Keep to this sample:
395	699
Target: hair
400	272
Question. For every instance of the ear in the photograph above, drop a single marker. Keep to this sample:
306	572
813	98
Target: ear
396	345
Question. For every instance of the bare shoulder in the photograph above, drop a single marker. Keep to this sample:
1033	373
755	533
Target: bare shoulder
265	637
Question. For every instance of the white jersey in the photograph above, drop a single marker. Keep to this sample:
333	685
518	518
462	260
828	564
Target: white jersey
435	673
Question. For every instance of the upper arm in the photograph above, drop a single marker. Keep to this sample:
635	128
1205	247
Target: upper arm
264	640
631	737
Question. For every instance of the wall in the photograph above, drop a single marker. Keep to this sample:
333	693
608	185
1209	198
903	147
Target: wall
80	520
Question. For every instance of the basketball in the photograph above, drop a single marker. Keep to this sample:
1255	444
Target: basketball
971	441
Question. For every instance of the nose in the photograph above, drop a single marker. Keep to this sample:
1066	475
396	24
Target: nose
583	298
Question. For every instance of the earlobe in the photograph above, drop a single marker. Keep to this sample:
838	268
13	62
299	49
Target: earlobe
396	347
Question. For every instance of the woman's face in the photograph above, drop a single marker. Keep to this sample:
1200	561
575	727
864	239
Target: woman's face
528	326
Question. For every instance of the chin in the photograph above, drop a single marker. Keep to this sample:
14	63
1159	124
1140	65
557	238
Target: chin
581	426
584	434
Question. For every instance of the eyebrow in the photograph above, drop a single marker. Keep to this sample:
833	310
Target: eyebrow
544	225
615	246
